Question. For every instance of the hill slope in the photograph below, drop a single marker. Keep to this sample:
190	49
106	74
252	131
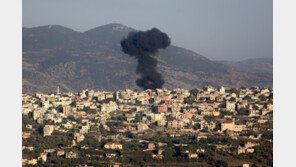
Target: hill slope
58	56
262	65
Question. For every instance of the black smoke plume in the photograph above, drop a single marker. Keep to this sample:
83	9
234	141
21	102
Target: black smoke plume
143	45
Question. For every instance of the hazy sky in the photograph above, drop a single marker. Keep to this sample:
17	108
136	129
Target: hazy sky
216	29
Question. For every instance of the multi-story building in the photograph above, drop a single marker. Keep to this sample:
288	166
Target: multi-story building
162	108
36	114
67	110
230	106
175	124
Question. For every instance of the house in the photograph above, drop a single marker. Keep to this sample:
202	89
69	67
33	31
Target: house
32	162
60	153
24	162
113	145
151	146
157	117
109	95
36	114
43	157
188	115
158	155
28	126
200	150
162	108
240	150
79	137
68	125
192	155
269	106
161	123
230	106
231	126
109	107
250	150
110	155
175	124
31	148
161	144
142	127
175	108
159	152
246	148
208	88
26	135
250	144
67	110
48	129
84	129
71	154
201	136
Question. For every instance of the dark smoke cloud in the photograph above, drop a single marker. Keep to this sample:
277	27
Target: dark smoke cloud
143	46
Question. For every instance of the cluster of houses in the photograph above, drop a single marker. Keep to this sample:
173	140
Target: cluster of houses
177	110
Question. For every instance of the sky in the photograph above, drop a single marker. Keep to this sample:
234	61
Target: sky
217	29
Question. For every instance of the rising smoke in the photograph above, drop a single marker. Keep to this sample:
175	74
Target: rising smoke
143	46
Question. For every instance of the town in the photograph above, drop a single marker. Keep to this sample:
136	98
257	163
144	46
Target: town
206	126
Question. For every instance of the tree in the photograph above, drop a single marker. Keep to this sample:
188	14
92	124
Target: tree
194	92
59	108
102	129
262	98
232	99
233	90
256	107
242	111
130	134
188	100
169	152
221	163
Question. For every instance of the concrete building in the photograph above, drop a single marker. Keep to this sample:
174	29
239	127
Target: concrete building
230	106
79	137
36	114
201	136
67	110
71	155
175	124
142	127
231	126
113	145
192	155
162	108
43	157
151	146
48	129
60	153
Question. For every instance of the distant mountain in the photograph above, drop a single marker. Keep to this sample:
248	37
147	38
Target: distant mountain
261	65
58	56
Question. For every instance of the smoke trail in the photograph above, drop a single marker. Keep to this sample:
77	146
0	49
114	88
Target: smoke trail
142	46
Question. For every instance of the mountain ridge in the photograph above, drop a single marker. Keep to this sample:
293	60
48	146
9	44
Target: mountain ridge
54	55
262	65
